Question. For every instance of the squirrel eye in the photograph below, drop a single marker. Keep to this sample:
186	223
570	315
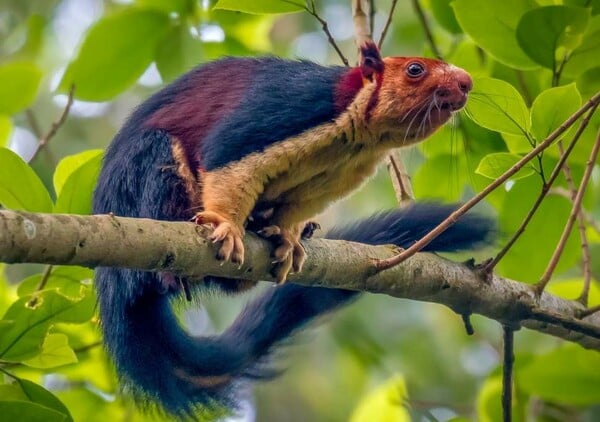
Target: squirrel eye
414	70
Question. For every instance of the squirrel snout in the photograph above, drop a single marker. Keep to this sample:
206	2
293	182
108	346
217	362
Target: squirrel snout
453	95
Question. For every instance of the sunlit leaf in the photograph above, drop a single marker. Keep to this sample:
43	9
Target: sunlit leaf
494	165
497	105
5	130
488	400
261	6
20	187
546	116
547	31
75	195
55	352
25	325
19	84
33	400
115	53
68	165
492	25
386	404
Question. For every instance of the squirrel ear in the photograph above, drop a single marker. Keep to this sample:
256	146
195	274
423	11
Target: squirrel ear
370	60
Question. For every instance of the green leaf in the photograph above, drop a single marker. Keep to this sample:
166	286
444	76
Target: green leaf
444	15
76	195
552	32
546	116
488	400
177	52
13	410
566	375
19	84
517	144
24	326
494	165
498	106
529	256
492	25
182	7
38	394
67	280
55	352
20	187
261	6
69	164
571	289
5	130
386	404
585	56
589	82
115	53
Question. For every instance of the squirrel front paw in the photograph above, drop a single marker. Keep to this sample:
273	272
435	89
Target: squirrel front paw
225	231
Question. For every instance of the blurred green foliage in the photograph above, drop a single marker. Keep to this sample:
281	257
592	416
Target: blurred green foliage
534	63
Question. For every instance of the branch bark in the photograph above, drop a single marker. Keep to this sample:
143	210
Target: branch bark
184	248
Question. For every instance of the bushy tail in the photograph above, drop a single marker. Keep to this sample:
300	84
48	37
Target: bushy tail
160	363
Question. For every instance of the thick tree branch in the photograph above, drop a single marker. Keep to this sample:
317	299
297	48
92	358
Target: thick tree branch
184	248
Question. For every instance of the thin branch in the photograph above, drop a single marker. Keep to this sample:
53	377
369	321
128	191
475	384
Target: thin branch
371	17
466	319
544	191
541	285
428	34
185	250
43	141
589	218
400	180
417	246
362	30
312	10
43	281
585	249
507	372
33	123
589	311
388	22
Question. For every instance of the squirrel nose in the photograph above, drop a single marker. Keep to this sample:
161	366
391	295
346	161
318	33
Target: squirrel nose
464	81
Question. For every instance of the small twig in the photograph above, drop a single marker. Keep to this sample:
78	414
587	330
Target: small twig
362	30
313	12
388	22
33	123
452	218
43	141
589	219
371	17
400	180
43	281
589	311
541	285
507	373
466	318
428	34
545	189
585	249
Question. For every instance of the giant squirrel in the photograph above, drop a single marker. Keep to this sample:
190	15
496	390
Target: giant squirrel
261	144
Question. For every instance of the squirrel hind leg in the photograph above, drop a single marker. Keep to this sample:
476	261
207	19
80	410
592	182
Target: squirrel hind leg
289	254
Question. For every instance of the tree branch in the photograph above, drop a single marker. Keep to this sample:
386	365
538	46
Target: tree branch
184	249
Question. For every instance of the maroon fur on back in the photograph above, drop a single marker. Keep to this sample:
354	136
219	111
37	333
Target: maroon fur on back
205	97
